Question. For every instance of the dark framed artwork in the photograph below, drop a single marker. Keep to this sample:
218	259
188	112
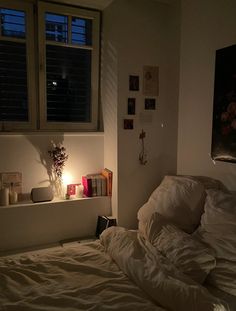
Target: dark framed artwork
150	103
223	147
128	124
133	83
131	105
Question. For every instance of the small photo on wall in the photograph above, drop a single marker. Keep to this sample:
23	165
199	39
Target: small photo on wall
150	104
128	124
134	83
131	105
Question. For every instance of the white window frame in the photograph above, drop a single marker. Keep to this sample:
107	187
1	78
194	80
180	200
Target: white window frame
75	12
30	59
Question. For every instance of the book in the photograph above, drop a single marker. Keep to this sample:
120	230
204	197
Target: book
103	223
108	175
87	183
94	185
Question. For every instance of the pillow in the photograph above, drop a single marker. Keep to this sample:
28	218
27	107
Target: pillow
210	183
179	199
218	230
190	256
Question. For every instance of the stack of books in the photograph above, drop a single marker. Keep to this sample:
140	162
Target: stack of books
98	184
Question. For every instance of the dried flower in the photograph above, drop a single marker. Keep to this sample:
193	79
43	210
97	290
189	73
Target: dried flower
59	157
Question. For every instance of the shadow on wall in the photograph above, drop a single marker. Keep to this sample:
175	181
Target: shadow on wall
43	144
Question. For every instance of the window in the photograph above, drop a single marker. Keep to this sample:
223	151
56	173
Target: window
16	79
66	96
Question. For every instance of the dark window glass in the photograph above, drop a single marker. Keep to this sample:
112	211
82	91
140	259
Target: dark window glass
81	31
56	27
13	81
12	23
68	84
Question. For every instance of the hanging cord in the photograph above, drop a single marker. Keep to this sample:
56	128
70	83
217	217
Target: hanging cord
142	154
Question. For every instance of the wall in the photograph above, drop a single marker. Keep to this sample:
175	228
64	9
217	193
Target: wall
206	26
38	224
138	33
29	154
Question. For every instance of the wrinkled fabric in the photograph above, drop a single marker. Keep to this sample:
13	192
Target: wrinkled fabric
80	277
151	271
189	255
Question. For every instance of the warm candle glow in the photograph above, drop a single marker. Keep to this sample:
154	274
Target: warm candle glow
66	178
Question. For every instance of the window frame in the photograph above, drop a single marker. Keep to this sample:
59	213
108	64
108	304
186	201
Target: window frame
30	60
44	7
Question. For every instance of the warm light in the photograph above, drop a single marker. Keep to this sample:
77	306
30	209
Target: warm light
66	179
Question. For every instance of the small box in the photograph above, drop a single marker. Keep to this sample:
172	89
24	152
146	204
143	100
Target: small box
103	223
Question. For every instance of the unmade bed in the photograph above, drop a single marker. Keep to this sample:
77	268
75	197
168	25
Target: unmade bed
172	262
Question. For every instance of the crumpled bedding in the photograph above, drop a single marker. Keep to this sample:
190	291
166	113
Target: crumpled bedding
122	271
81	277
155	274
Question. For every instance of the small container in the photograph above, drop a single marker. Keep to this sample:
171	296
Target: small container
4	196
13	195
80	191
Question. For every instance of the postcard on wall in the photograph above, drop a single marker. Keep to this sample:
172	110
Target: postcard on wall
150	104
131	105
151	80
128	124
133	83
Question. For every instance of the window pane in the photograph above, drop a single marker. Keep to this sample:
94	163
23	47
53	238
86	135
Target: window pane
56	27
12	23
13	82
68	84
81	31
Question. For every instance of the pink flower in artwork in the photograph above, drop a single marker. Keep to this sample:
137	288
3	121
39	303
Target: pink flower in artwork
226	129
231	109
228	119
224	116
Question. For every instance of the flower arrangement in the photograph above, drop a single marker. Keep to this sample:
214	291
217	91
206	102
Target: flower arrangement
59	157
228	119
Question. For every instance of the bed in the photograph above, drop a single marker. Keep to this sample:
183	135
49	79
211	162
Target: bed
182	257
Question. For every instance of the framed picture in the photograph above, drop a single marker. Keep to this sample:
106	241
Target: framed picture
150	103
128	124
223	147
133	83
131	105
150	80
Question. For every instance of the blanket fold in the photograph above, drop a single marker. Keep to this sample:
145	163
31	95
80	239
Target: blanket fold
155	274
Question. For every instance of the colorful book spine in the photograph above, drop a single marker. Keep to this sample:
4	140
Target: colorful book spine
87	183
99	184
108	175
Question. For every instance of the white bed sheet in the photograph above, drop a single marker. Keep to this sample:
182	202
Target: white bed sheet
78	277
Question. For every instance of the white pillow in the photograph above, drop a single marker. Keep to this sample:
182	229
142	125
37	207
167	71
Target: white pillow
179	199
189	255
218	230
209	183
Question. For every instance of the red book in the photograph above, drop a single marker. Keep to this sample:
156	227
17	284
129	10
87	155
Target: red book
87	183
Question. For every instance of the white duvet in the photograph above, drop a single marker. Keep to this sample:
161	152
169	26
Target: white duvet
122	272
74	278
152	272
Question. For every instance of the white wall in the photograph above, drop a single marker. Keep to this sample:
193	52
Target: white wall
138	33
29	154
206	26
